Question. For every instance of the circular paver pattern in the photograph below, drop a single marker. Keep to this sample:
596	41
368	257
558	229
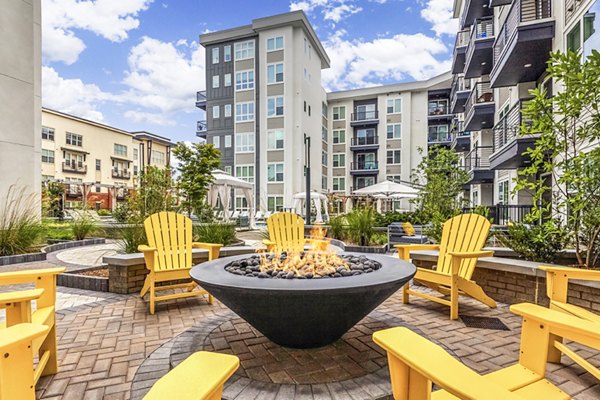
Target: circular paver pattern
88	256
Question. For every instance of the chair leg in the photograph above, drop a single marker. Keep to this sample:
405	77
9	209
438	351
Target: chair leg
454	298
152	298
49	345
146	287
554	354
210	299
405	294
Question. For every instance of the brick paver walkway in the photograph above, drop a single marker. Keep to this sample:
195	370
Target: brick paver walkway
104	338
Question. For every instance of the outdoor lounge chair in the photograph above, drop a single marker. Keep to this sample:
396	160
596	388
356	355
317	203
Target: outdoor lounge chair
415	362
286	233
397	235
463	237
168	256
19	312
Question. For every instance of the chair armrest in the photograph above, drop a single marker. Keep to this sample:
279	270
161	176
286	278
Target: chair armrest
199	245
471	254
19	296
146	249
405	249
268	242
573	273
21	333
30	275
429	360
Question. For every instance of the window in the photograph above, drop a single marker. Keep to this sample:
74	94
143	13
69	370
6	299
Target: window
275	43
275	172
275	106
394	106
275	203
48	156
339	113
324	158
275	139
324	134
503	192
274	73
574	38
244	112
227	53
216	140
244	142
339	160
215	55
241	204
98	165
364	182
475	197
47	133
216	112
339	136
74	139
324	182
245	172
215	82
227	80
135	169
227	141
339	184
393	157
244	50
74	159
158	157
135	154
394	178
324	110
394	131
98	187
120	150
228	169
244	80
438	107
227	110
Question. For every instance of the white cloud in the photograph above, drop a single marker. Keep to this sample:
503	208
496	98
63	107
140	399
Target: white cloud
360	63
149	117
332	10
439	14
107	18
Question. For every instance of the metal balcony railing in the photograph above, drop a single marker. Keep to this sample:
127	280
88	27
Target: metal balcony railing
520	11
121	173
438	108
462	38
74	166
364	116
481	93
201	95
364	166
478	158
502	214
439	137
482	29
201	127
457	129
508	128
364	141
459	84
73	190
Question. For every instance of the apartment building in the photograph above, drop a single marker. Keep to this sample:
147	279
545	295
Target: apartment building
500	54
97	162
265	105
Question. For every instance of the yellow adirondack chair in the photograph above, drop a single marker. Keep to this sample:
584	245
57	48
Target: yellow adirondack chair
286	233
168	256
16	363
463	237
201	376
415	363
18	312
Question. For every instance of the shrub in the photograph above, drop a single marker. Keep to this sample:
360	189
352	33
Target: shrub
131	237
57	231
103	212
122	212
82	226
20	229
414	217
360	225
215	233
379	238
337	227
541	243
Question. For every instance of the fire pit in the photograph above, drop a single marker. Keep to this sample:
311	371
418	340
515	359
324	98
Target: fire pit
312	308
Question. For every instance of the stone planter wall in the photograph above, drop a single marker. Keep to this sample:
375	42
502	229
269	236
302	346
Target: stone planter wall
127	272
75	280
360	249
41	256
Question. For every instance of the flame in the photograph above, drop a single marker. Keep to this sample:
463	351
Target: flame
318	261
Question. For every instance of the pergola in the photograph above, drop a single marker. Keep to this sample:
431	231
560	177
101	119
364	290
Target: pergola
317	199
220	189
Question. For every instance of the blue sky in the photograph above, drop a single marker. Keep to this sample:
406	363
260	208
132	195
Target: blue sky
136	64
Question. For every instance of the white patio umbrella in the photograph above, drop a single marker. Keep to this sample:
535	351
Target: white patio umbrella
316	198
221	188
388	189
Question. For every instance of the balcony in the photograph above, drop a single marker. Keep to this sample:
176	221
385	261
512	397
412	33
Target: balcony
459	94
480	108
503	214
461	139
524	43
74	167
477	165
480	56
460	48
121	173
439	137
364	168
201	129
474	9
509	145
73	190
201	99
363	118
364	143
439	110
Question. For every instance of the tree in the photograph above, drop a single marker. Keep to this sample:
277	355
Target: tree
155	194
196	163
568	147
441	179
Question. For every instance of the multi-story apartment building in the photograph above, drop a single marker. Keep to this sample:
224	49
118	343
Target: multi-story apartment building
97	162
500	54
264	96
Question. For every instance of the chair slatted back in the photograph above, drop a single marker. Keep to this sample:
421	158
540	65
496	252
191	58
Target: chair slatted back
287	231
463	233
171	235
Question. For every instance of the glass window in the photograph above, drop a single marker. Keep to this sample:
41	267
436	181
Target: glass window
275	73
394	178
227	141
324	158
215	81
339	160
244	112
228	169
158	157
241	204
275	106
98	165
275	43
74	139
324	134
394	106
244	142
503	192
244	80
275	203
324	182
324	110
135	154
245	172
47	133
394	131
393	156
227	53
339	184
339	113
120	150
48	156
339	136
227	110
275	139
275	172
215	55
227	80
216	140
591	37
574	38
216	112
244	50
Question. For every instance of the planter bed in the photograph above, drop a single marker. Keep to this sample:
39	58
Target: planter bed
379	249
87	279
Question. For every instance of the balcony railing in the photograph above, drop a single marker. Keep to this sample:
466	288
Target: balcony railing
364	141
121	173
502	214
439	137
462	38
438	109
482	29
364	116
478	158
459	84
201	95
201	127
481	93
365	166
520	11
74	166
73	190
509	127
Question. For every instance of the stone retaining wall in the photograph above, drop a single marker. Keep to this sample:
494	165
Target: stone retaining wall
75	280
41	256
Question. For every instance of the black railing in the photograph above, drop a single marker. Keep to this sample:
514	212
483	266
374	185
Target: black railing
481	93
201	126
364	166
508	128
439	137
482	29
121	173
478	158
502	214
74	166
201	95
364	115
459	84
364	141
438	108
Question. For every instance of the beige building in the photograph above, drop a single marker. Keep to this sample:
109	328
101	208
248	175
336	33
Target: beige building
96	162
20	95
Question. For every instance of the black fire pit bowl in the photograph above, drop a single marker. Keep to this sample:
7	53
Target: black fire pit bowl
303	313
